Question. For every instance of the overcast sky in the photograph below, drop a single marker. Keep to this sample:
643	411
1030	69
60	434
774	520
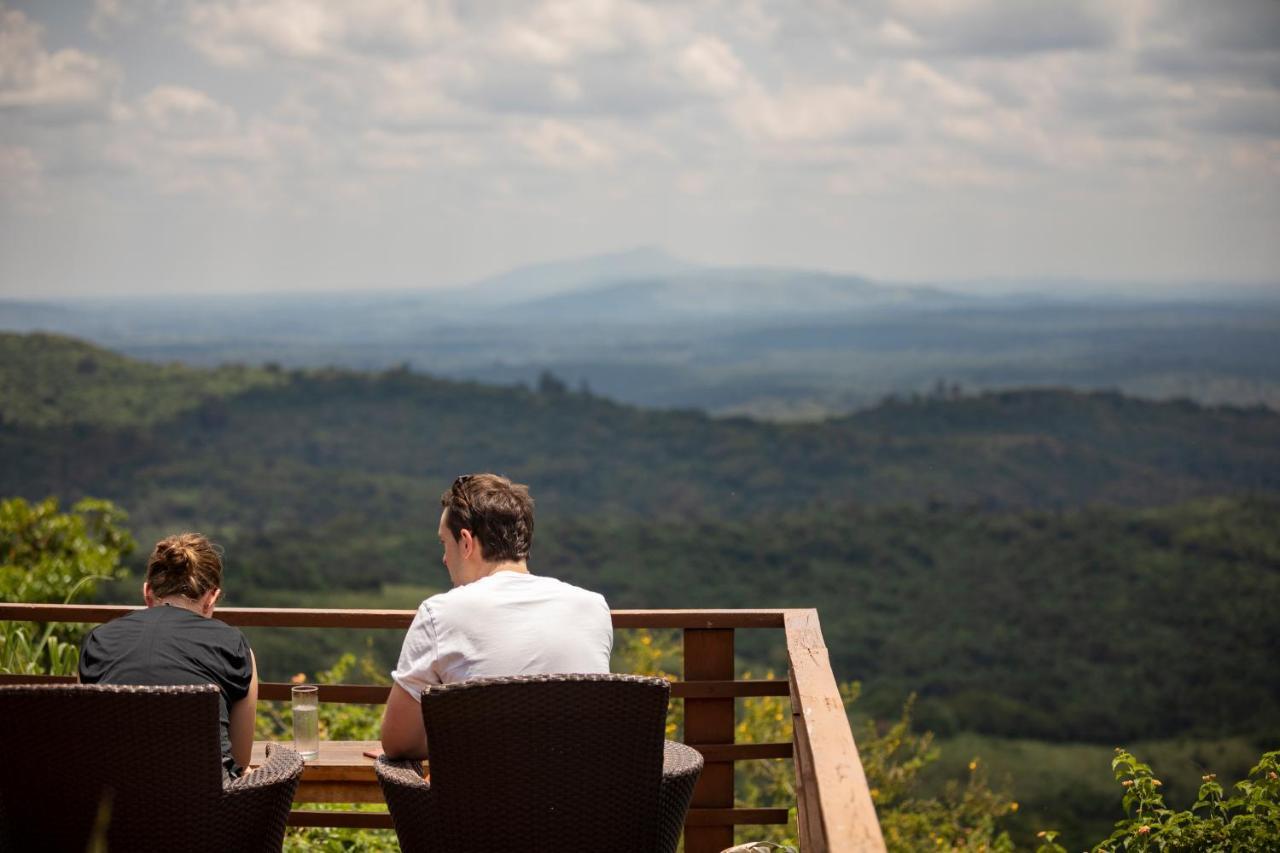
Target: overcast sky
182	146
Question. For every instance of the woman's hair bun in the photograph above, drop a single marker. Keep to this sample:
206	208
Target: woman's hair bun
187	564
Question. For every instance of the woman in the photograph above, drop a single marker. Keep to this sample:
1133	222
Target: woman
175	640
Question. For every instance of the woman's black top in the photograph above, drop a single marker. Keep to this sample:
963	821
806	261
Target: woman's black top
172	645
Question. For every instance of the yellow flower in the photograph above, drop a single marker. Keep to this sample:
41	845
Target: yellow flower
1013	807
300	678
973	765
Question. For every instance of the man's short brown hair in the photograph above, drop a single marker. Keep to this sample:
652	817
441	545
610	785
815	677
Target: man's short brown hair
498	512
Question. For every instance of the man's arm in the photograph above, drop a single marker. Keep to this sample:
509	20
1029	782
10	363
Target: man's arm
403	735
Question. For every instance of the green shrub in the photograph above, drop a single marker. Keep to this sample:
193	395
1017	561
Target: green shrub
52	556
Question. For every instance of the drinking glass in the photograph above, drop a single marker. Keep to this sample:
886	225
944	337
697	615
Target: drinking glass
306	720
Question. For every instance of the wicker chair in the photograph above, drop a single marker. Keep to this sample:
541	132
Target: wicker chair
142	762
544	762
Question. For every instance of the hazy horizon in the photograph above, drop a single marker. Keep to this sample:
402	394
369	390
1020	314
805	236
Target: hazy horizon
221	146
1082	289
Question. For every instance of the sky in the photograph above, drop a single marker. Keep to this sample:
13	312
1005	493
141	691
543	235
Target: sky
204	146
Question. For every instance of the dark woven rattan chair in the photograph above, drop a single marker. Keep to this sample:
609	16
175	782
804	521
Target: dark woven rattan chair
143	762
544	762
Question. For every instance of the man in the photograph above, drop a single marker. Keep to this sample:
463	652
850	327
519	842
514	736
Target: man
499	619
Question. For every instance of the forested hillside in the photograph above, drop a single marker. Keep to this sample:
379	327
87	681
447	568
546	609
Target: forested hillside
1040	563
264	448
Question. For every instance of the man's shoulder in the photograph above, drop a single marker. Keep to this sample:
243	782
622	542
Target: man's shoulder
504	587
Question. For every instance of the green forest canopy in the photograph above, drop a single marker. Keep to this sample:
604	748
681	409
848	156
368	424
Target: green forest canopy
1039	563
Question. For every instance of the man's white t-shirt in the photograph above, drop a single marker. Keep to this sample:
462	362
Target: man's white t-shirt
508	623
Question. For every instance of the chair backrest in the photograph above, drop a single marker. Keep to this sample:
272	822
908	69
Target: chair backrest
573	761
150	756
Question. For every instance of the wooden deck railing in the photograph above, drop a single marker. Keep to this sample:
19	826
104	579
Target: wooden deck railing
834	807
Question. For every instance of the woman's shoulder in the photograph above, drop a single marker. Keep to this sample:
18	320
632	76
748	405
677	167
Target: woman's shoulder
222	629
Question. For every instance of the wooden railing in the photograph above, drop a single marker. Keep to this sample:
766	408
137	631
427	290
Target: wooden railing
834	807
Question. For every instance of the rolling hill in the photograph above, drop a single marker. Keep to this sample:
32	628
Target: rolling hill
1043	563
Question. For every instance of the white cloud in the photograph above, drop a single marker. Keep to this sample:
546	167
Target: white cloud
179	111
562	31
413	94
943	90
818	113
66	81
563	146
711	66
247	33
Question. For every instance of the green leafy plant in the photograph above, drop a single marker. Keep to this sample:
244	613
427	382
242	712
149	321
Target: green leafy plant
1245	822
51	556
964	816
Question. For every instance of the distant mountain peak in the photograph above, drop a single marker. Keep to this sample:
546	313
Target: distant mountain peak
550	278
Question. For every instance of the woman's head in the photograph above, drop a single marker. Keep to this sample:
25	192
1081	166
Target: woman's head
187	565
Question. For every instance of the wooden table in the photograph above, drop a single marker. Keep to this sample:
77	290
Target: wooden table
341	773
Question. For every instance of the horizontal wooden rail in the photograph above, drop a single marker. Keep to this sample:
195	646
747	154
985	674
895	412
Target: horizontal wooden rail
376	694
346	819
735	817
269	617
382	820
742	751
373	694
23	678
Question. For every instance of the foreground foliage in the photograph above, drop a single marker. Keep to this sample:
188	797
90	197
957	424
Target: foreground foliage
1246	822
51	556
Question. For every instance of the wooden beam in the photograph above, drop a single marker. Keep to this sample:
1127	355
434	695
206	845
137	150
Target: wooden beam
382	820
373	694
347	819
698	618
356	694
836	814
735	817
743	751
723	689
244	617
708	656
295	617
24	678
376	694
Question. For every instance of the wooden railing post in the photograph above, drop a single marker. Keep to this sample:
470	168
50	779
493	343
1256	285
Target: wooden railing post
708	656
835	810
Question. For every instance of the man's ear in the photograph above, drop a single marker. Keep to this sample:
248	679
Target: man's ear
208	600
147	597
466	543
